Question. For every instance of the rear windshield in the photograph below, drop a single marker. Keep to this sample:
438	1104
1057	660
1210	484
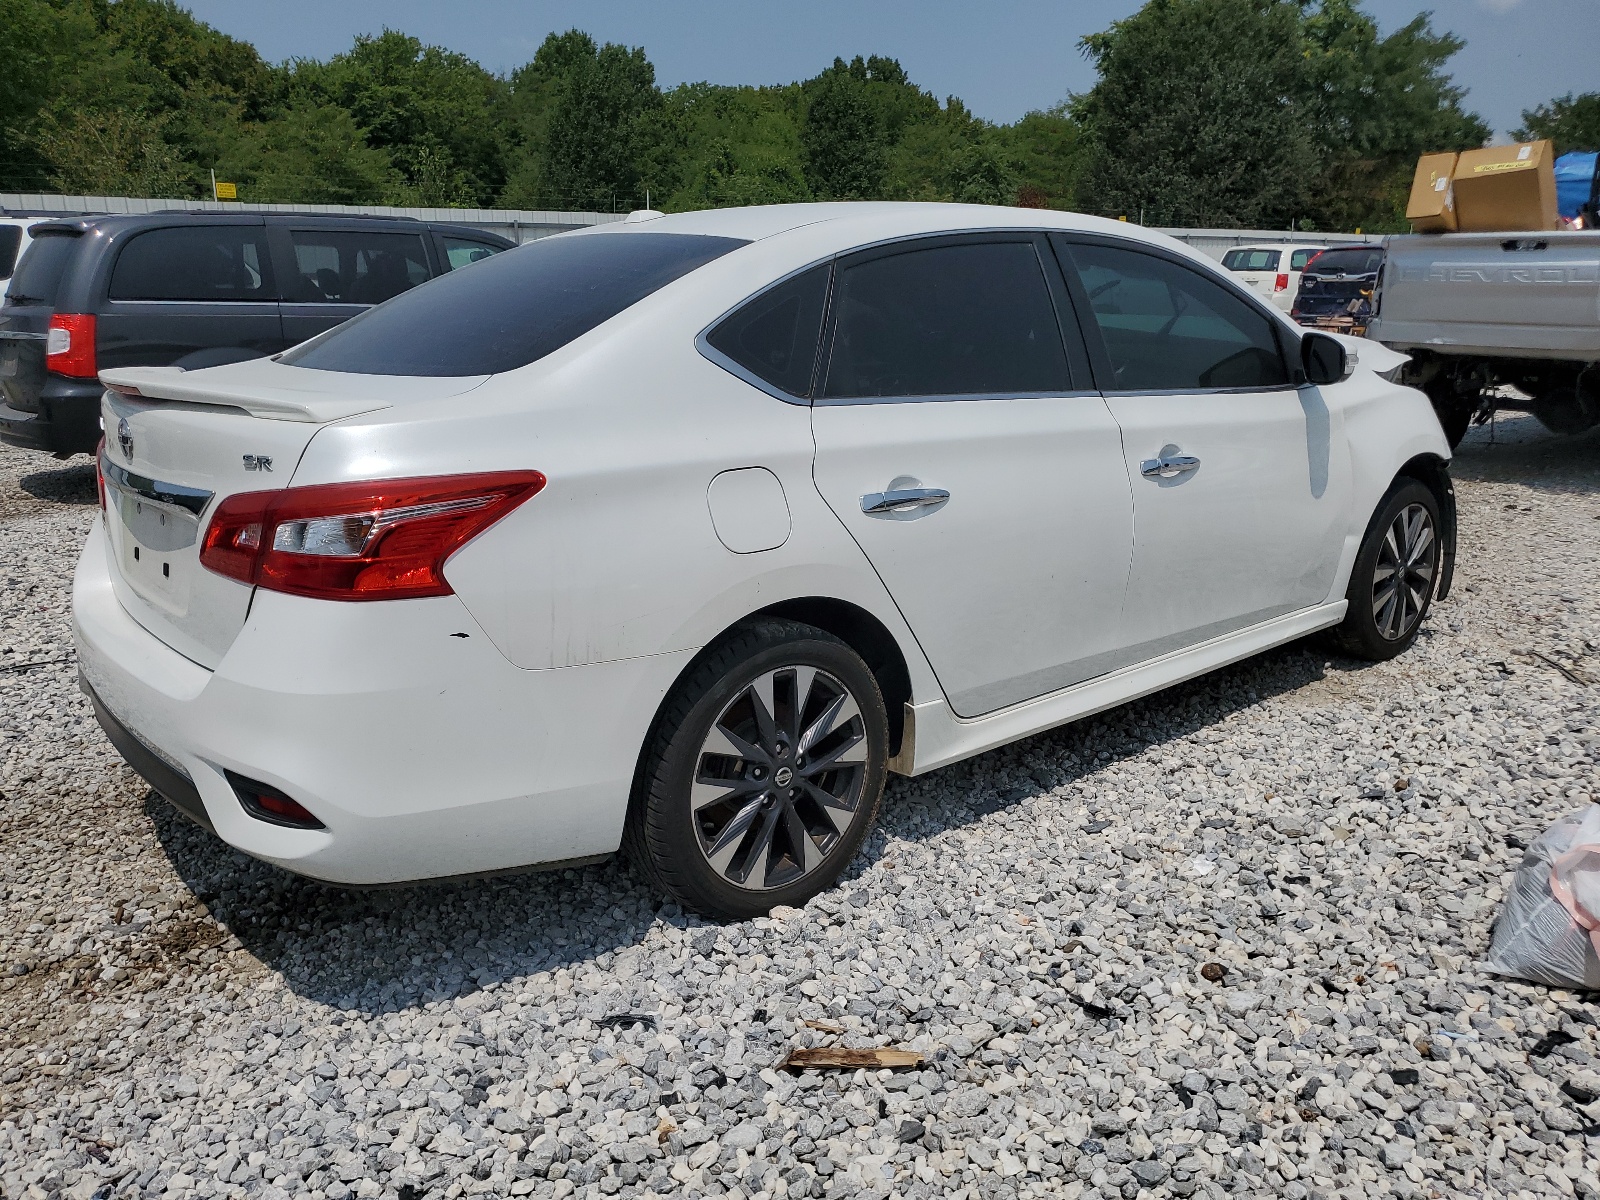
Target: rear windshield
1359	260
38	276
511	309
1247	258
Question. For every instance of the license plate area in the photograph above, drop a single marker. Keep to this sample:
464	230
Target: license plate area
153	532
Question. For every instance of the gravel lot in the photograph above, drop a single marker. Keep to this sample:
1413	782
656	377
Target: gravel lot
1045	923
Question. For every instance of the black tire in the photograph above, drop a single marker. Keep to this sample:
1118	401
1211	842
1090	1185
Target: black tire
1455	418
672	842
1386	606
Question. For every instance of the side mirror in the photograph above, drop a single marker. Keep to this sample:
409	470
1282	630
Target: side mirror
1323	359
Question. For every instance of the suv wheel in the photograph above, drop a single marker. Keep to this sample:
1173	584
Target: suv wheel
764	773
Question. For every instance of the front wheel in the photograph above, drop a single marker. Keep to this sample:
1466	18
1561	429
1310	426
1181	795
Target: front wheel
1393	580
763	774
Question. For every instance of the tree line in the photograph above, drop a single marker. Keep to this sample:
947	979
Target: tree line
1244	113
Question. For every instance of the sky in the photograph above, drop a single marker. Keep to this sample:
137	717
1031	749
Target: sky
1003	57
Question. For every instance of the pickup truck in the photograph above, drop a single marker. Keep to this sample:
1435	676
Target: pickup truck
1479	310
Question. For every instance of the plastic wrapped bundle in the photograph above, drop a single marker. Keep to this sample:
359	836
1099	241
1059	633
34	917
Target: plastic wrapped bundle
1549	929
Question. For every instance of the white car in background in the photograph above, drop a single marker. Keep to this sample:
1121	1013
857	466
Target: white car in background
1271	271
684	531
14	240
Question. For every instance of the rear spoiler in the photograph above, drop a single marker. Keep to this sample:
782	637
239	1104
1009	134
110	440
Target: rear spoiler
274	403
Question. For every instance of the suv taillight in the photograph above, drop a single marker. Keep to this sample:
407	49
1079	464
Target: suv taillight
69	345
1281	284
384	540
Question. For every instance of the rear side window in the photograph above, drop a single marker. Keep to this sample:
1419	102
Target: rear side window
774	336
1251	259
352	267
195	262
38	276
958	320
1299	259
1167	327
459	252
512	309
10	243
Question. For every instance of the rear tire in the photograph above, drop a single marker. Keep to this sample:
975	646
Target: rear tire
1395	573
763	774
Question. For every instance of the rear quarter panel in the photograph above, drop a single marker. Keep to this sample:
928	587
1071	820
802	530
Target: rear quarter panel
617	557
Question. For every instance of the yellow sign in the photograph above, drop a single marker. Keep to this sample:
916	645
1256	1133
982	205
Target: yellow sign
227	191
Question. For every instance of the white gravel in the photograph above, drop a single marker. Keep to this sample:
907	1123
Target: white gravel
182	1021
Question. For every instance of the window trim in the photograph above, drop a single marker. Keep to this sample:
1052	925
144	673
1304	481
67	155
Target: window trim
1038	239
702	340
1100	357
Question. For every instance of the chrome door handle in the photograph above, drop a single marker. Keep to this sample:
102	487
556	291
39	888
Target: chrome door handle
902	499
1168	468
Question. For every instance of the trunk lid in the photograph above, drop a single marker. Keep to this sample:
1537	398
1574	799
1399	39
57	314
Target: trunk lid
177	443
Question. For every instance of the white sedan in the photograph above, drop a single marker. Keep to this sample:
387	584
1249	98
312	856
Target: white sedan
683	532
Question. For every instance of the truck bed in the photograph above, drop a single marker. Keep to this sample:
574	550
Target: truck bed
1494	295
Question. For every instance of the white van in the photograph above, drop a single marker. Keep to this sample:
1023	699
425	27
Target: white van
1272	272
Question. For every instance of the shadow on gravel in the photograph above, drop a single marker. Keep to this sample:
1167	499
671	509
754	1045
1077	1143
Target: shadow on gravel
1517	449
383	950
70	484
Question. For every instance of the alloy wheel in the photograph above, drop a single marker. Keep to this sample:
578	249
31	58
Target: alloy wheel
1403	577
778	778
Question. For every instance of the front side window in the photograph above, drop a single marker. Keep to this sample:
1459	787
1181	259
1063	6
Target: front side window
459	252
195	262
512	309
1250	258
950	320
774	336
1166	327
352	267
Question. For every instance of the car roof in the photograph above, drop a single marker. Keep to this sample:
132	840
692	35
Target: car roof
835	227
167	218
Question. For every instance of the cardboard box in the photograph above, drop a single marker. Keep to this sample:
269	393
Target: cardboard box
1506	188
1432	207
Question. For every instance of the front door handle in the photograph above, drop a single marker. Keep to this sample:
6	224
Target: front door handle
902	499
1168	468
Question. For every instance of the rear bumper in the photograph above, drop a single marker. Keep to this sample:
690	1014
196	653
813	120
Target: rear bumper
67	421
424	753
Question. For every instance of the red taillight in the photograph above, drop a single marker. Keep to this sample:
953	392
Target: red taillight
1281	284
384	540
69	345
100	475
266	803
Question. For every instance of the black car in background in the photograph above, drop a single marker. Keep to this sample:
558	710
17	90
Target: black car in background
191	290
1336	289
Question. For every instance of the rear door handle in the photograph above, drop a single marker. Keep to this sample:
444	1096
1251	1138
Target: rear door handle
1168	468
902	499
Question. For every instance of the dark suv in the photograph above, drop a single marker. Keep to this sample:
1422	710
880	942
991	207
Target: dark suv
191	290
1336	289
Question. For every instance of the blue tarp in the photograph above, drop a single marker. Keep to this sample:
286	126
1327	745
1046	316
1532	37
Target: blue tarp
1574	181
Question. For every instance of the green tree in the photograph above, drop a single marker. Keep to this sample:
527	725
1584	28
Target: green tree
1372	105
843	135
600	127
115	153
1571	122
735	145
440	117
311	153
1047	150
1195	119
